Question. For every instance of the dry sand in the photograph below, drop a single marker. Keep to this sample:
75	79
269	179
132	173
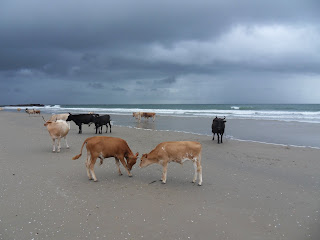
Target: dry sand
250	190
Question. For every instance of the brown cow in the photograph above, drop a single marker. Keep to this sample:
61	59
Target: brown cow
148	115
179	152
105	147
36	111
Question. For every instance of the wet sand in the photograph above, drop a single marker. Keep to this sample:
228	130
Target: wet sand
250	190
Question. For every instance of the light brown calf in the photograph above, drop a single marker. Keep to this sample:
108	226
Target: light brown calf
58	130
105	147
178	152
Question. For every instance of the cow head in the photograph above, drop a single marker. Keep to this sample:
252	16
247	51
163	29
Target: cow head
70	117
131	160
218	123
145	161
47	123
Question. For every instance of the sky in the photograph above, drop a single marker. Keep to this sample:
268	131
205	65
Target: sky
168	51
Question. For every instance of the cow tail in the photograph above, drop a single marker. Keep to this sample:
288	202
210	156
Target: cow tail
79	155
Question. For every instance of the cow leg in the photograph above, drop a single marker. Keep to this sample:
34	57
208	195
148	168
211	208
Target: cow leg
213	137
125	166
100	130
221	138
80	129
218	137
91	166
195	171
199	169
87	166
59	144
118	165
53	144
164	172
110	126
65	139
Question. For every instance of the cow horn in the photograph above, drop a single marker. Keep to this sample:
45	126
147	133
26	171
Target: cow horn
43	119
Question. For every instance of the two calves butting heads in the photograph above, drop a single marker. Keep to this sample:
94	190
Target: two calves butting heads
218	126
104	147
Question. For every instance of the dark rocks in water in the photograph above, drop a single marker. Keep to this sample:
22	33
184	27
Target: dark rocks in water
27	105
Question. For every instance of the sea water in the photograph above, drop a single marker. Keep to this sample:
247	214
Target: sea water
289	124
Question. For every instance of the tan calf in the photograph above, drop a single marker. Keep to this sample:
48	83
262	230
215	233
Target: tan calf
58	130
177	152
105	147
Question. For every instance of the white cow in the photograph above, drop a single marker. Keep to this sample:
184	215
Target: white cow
58	130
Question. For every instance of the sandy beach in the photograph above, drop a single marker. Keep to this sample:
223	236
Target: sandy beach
250	190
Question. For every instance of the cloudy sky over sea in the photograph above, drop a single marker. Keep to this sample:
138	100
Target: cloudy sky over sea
168	51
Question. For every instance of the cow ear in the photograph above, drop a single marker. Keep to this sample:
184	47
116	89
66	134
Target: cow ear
137	154
224	120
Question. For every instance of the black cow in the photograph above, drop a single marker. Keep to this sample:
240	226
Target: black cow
100	121
218	125
80	119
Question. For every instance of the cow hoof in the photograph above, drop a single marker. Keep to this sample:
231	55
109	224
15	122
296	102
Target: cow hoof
163	182
95	180
199	184
130	175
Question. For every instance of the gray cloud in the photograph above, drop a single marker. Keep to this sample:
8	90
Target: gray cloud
96	85
181	54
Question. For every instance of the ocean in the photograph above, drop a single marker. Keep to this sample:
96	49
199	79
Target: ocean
287	124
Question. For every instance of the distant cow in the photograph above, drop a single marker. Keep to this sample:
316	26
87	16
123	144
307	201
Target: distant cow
218	125
100	121
80	119
178	152
18	109
147	115
30	111
105	147
58	130
137	115
36	111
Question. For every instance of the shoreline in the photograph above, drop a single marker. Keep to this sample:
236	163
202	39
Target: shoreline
250	190
295	134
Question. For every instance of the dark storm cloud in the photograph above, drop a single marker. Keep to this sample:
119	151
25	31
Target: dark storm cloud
95	85
133	46
120	89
